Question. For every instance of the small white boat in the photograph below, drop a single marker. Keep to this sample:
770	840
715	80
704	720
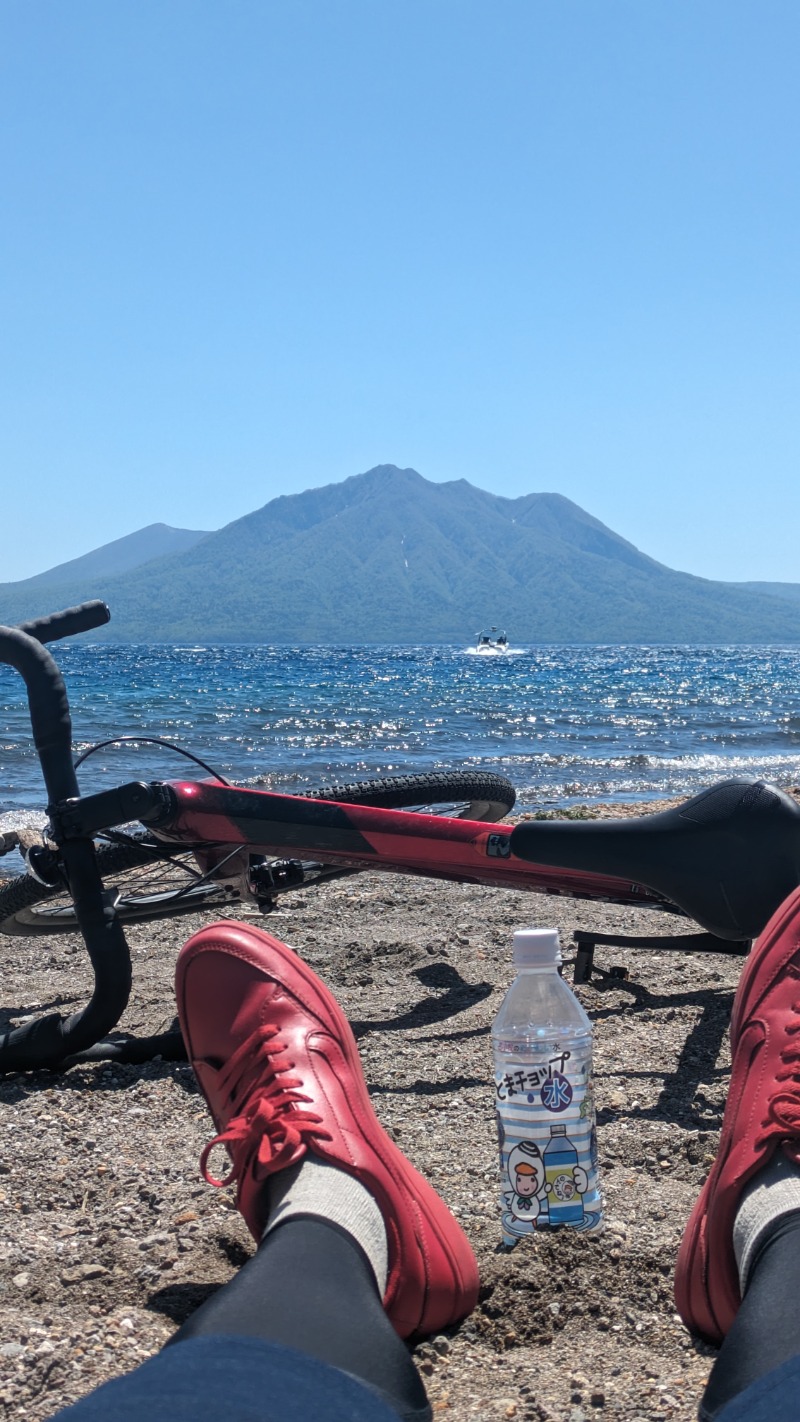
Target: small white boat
492	643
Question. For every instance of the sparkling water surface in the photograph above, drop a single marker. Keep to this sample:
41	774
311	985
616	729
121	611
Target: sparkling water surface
567	725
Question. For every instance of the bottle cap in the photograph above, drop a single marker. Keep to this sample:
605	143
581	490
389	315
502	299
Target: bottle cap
536	948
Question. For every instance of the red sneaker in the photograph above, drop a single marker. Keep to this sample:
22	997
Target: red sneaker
762	1115
278	1065
766	960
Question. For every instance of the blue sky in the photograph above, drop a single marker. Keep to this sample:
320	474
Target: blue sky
249	248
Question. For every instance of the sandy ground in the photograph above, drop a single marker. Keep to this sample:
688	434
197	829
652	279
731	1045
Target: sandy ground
110	1238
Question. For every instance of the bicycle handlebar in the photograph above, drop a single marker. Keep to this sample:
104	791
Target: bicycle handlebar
67	623
48	1040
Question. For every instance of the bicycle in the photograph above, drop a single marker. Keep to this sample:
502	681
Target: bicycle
725	858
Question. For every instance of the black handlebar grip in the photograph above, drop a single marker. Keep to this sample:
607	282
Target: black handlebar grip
48	1041
37	1044
69	622
49	708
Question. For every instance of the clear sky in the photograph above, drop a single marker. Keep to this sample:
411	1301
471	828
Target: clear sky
251	247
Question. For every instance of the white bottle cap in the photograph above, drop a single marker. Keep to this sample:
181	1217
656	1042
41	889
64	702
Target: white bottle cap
536	948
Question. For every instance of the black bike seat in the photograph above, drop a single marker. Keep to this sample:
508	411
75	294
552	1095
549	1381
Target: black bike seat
728	857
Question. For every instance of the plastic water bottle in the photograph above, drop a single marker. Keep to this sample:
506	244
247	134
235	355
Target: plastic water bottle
542	1045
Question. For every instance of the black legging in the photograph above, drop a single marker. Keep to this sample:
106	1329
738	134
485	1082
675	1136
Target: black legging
766	1330
309	1286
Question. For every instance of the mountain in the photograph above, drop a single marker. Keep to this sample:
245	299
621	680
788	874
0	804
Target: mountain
387	556
784	590
156	541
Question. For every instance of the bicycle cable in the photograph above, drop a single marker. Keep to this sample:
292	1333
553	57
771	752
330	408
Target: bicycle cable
153	741
119	836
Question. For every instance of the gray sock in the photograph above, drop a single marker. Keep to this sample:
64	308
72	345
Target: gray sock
773	1192
313	1187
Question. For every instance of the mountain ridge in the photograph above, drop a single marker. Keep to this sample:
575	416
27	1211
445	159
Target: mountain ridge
388	556
156	540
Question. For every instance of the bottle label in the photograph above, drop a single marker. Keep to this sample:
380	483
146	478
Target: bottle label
548	1140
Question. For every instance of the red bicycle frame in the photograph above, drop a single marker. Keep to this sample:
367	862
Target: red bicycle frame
210	816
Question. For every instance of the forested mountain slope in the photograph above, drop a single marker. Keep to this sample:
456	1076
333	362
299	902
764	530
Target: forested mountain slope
387	556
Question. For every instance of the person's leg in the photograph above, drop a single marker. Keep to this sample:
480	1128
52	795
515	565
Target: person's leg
243	1379
356	1250
311	1287
766	1330
738	1268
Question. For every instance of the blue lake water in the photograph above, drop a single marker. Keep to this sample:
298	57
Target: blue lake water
566	724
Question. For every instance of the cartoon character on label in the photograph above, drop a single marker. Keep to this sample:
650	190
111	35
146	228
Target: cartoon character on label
540	1194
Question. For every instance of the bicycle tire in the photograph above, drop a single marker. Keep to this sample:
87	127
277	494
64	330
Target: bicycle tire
474	795
29	908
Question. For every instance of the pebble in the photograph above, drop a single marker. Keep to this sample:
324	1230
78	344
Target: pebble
81	1272
162	1126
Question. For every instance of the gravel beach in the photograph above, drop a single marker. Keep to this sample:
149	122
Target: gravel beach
110	1238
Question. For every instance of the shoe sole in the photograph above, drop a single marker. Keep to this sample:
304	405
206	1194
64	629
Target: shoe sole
691	1266
447	1303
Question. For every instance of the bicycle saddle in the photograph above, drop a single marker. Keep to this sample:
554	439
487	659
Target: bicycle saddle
728	857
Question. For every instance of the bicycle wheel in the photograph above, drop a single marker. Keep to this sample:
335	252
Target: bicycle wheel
466	795
150	884
153	881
